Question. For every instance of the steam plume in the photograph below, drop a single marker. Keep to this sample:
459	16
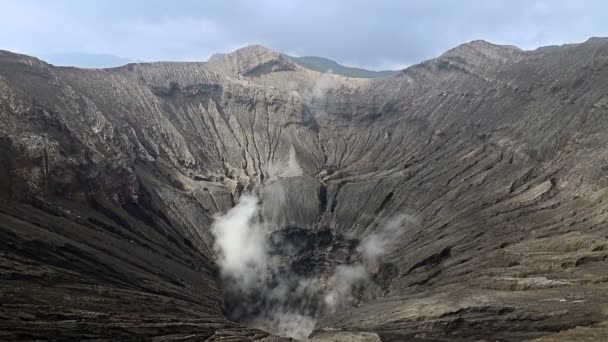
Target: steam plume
267	293
323	85
376	244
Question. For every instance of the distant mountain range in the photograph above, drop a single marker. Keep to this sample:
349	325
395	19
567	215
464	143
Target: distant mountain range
321	64
327	65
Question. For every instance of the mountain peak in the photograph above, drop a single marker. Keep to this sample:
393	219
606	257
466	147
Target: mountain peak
255	48
255	51
482	48
478	52
601	40
253	60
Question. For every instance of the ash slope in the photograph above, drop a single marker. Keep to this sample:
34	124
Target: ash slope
109	180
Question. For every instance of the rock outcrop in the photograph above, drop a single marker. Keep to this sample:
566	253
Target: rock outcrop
110	179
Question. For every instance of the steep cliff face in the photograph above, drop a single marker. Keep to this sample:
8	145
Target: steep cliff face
110	180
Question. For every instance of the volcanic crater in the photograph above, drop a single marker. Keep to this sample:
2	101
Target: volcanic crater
460	199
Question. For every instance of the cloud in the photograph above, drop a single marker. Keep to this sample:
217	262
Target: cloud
362	33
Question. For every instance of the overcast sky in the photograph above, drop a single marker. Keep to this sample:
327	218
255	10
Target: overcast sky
372	34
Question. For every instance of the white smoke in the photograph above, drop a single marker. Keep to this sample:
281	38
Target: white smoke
240	243
339	286
250	272
375	245
372	248
290	324
323	85
269	295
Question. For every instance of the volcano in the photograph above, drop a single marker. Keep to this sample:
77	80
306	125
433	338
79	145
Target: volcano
489	162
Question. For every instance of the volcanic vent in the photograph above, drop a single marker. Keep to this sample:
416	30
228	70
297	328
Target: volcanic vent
283	278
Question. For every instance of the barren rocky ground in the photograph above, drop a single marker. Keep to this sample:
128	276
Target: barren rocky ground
110	180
